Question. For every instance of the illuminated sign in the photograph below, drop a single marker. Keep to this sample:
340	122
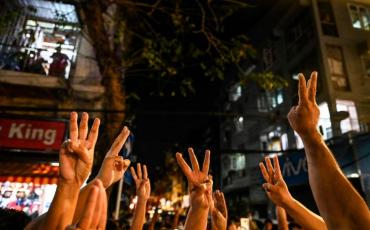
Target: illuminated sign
31	134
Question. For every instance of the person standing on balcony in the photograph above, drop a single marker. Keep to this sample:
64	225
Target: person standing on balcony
59	64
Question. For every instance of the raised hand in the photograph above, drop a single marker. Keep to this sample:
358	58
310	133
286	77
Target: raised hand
76	155
304	117
95	211
114	166
218	211
141	181
196	176
275	186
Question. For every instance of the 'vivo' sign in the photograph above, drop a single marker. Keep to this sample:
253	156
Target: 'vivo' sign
294	168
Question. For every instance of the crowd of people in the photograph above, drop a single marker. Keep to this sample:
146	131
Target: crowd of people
73	207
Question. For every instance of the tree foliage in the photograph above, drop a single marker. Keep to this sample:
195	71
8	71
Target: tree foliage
172	42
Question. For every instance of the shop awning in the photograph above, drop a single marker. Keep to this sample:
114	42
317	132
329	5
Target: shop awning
24	172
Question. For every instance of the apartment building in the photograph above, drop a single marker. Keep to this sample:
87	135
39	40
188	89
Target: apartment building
329	36
47	68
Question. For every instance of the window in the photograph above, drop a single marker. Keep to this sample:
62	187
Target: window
239	124
284	141
324	121
268	58
350	123
238	161
328	24
235	92
360	17
270	100
336	67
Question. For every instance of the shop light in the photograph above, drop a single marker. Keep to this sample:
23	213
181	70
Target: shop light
54	164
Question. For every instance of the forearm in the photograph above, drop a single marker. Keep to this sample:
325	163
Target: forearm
335	197
281	218
82	198
139	215
303	216
60	213
196	219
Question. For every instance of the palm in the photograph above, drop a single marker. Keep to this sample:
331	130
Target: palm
195	176
76	154
142	182
219	211
280	193
200	196
144	189
112	170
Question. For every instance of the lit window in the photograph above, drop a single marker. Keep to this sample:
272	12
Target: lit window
336	67
360	17
350	123
236	92
284	141
239	124
299	141
279	97
324	121
238	161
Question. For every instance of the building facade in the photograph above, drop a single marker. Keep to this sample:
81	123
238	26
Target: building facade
328	36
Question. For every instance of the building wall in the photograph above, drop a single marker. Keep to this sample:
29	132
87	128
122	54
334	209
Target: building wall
310	55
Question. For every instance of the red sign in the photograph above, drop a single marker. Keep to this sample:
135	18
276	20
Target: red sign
31	134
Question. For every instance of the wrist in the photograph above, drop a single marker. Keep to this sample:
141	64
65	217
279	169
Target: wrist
311	136
141	200
196	217
105	184
289	204
68	190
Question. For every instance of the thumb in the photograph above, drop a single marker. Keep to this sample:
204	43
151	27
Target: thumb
126	163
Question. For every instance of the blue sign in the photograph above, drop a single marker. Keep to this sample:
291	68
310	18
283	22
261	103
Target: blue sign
294	168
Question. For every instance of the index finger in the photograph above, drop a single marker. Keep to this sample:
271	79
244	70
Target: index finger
264	172
94	131
193	159
312	87
302	90
119	142
205	167
145	172
277	167
73	127
183	165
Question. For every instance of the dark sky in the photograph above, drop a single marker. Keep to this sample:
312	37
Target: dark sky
170	124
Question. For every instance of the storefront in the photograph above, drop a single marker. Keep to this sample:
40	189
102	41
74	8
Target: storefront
29	162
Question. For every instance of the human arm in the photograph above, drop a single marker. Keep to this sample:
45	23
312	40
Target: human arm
111	170
219	211
199	188
143	193
277	190
282	218
94	215
339	203
75	158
